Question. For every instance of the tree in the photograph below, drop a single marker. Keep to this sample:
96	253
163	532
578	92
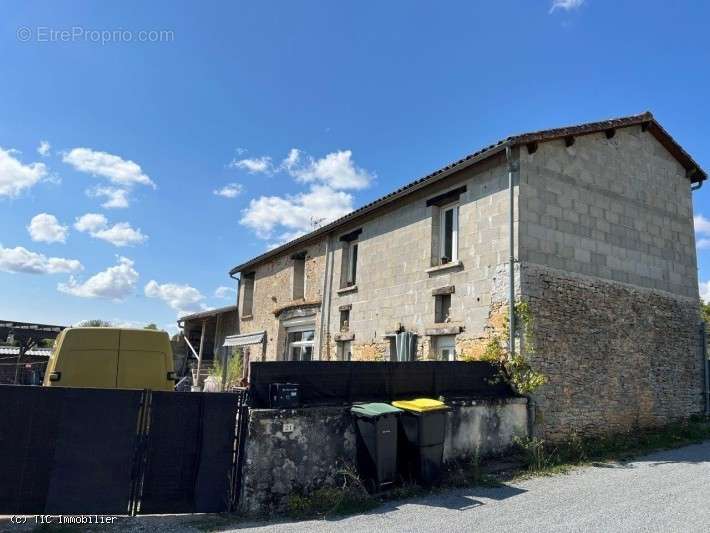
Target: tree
95	323
151	326
705	311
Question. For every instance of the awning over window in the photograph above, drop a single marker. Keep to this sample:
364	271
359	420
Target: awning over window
244	340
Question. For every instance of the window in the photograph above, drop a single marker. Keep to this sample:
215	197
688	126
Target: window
299	276
248	293
300	344
344	351
445	347
442	308
351	264
348	266
449	234
344	319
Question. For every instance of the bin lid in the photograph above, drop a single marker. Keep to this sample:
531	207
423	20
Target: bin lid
373	410
420	405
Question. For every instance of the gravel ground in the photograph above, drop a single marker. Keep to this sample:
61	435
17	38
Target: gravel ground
665	491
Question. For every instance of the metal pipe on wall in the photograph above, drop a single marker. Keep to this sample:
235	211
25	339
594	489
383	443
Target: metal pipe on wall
511	263
324	304
706	365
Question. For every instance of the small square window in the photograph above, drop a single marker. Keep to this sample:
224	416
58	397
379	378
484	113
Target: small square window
344	319
442	308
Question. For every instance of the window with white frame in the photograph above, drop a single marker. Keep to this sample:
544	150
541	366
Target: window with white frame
449	233
445	347
299	343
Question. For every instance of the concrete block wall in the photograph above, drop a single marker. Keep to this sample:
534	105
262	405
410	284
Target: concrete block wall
394	286
619	208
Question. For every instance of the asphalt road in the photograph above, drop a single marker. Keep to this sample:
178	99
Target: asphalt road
665	491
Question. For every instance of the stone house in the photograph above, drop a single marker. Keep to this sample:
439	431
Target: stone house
604	254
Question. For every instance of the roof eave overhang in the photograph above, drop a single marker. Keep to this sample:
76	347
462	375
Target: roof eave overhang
377	204
693	171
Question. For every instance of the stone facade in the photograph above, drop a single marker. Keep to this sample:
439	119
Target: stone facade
617	357
605	215
322	441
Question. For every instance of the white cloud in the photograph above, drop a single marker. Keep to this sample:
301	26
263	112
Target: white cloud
566	5
225	293
297	213
702	225
115	283
46	228
337	170
20	259
120	234
705	291
231	190
255	165
182	298
117	170
91	222
292	159
15	177
44	148
115	198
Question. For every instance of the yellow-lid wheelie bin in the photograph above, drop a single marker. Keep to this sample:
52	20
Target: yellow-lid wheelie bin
422	428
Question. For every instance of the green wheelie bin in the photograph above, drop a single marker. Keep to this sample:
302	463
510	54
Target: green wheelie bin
377	443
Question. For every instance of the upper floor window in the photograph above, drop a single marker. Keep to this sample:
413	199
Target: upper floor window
299	275
445	226
351	276
247	282
449	237
348	267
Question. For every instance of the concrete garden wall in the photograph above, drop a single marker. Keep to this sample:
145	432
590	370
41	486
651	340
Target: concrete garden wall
291	451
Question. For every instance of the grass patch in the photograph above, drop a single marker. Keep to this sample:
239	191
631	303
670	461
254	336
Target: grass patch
542	458
348	497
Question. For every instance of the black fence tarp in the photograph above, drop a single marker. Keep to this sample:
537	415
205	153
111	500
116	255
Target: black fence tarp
93	452
337	382
28	429
66	451
191	445
100	451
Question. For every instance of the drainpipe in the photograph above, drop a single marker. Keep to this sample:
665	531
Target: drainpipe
706	366
324	305
511	264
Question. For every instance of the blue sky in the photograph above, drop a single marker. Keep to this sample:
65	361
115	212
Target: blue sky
236	125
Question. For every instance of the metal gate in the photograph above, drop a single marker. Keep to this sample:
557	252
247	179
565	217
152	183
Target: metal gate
99	451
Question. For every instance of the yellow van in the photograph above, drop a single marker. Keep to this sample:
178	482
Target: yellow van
111	358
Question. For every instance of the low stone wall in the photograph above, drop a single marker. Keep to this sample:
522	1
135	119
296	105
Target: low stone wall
617	357
299	450
484	427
